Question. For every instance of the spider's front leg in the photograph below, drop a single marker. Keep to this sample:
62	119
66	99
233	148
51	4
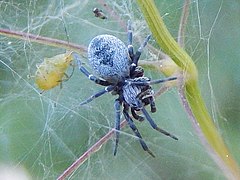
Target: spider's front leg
117	107
152	123
135	130
147	83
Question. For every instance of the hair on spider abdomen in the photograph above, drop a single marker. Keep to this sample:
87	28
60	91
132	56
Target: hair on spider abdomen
108	57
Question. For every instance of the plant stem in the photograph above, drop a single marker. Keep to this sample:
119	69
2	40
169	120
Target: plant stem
89	152
183	23
43	40
192	91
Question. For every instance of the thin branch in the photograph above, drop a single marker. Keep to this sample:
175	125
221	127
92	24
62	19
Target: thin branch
199	133
88	153
192	90
43	40
183	23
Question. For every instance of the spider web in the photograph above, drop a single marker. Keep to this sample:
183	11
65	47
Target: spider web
42	134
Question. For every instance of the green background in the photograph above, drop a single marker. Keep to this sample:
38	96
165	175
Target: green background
45	133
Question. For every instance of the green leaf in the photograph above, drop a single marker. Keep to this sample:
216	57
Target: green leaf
45	133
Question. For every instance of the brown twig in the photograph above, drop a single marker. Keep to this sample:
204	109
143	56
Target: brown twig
43	40
183	23
89	152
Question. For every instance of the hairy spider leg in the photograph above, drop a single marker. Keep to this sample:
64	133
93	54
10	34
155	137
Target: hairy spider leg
117	107
152	105
130	36
157	81
138	54
135	130
134	57
88	74
136	116
100	93
150	100
154	125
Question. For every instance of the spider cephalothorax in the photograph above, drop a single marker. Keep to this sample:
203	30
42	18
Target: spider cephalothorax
117	67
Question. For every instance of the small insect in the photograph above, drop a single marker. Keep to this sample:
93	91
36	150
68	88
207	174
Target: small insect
99	13
51	72
117	66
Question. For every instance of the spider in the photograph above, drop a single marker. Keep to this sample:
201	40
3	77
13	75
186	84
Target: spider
116	65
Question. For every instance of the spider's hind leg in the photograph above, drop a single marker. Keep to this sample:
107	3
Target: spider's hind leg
138	54
135	56
87	73
130	36
98	94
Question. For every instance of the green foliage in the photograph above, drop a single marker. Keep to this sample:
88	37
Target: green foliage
45	133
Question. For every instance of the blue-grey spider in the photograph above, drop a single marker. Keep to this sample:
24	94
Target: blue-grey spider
117	67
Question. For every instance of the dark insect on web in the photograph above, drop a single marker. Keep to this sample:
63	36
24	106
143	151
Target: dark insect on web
117	68
99	13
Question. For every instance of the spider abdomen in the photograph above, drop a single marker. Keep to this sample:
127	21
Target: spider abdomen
117	66
108	57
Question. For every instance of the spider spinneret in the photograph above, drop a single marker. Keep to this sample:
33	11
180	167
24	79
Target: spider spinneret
117	66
